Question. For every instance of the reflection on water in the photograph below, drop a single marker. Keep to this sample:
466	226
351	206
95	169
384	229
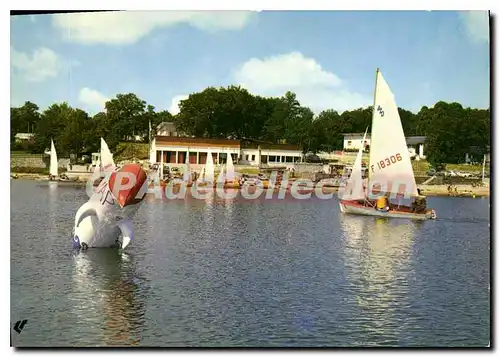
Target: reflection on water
105	293
378	254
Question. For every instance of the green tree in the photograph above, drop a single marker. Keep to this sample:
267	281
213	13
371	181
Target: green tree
63	124
23	119
127	118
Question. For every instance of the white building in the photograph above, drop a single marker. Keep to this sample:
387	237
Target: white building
416	146
174	150
23	136
166	128
353	141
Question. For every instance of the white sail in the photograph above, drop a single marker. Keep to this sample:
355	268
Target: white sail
390	164
202	175
161	166
187	172
229	167
354	187
53	159
106	155
187	169
221	178
209	168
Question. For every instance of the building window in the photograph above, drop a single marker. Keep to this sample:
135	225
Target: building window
246	157
253	157
272	158
289	158
349	142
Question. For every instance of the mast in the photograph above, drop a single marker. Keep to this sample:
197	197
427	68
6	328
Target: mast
373	117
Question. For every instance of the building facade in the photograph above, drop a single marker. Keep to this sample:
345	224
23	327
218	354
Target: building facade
169	147
353	141
20	137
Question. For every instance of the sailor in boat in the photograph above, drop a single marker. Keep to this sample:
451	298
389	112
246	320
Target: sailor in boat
382	203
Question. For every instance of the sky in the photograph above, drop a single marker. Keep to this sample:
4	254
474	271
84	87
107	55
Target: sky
328	58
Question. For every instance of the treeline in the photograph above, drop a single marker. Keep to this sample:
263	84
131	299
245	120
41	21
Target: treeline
233	112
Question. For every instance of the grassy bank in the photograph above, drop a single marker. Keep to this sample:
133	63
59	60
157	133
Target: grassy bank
424	166
130	151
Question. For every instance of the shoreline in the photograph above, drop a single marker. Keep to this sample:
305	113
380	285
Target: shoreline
427	190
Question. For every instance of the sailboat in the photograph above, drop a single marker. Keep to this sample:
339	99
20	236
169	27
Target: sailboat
54	169
210	169
230	178
54	166
207	176
106	163
106	156
187	173
390	169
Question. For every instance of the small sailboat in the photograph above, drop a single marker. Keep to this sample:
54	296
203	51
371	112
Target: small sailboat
390	169
230	180
210	169
187	173
54	169
207	175
106	163
106	156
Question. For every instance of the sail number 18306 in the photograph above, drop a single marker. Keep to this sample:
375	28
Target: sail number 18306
388	161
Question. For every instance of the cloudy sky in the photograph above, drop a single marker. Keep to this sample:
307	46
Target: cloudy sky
327	58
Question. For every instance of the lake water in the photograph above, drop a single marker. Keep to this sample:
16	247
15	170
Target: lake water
265	273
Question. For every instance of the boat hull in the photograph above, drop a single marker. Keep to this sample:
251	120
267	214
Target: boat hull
352	207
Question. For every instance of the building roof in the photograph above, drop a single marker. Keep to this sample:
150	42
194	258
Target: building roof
166	126
410	140
415	140
254	144
360	134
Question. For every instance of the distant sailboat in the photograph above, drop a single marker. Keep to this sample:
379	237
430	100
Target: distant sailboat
106	156
229	168
209	169
390	167
230	177
221	179
106	163
354	189
54	169
201	178
187	170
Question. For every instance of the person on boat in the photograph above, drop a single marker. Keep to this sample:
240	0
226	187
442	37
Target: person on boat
382	203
